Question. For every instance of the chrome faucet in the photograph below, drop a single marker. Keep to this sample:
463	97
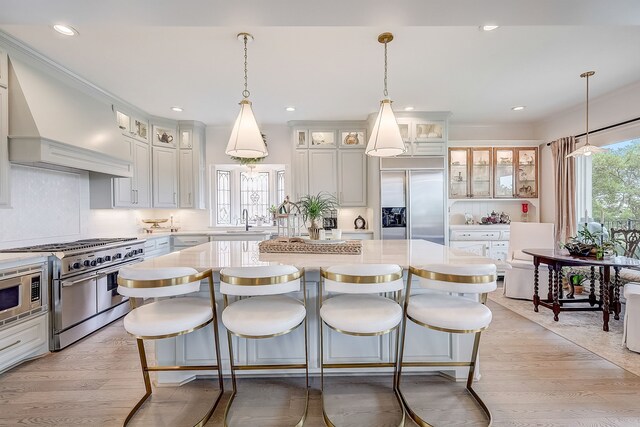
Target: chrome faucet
245	216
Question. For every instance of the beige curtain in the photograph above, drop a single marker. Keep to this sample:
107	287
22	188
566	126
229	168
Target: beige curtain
565	180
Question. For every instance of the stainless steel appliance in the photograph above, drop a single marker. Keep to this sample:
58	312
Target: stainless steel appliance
83	290
413	200
21	292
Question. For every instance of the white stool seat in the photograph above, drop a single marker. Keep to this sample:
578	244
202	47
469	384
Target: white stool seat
449	312
262	316
170	316
361	313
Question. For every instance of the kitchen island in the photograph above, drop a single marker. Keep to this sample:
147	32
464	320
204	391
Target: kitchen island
422	344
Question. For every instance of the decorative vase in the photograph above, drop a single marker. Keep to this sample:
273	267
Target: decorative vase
314	233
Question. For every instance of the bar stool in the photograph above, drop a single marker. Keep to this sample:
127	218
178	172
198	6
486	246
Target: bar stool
631	331
266	313
444	312
358	312
168	317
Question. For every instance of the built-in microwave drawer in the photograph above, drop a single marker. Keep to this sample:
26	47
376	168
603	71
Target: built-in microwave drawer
475	235
23	340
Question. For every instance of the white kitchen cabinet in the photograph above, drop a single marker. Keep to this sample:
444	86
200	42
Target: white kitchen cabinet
23	341
134	192
5	168
4	69
132	126
300	174
186	178
474	247
352	178
191	158
491	241
323	171
157	246
188	240
423	137
165	177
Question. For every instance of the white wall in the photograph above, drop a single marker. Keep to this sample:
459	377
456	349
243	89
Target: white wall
609	109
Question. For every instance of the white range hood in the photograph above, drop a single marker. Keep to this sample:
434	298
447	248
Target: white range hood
55	125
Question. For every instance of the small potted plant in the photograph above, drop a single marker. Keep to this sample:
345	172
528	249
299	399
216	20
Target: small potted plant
314	207
273	210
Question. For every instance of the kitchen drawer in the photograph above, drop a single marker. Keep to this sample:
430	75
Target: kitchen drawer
477	248
505	235
500	244
157	243
475	235
187	241
23	341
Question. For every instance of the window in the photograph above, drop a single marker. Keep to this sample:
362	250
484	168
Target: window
608	185
224	197
254	194
234	188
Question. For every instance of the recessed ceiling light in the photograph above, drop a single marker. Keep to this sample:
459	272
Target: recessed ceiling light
177	109
489	27
65	30
408	108
518	108
290	108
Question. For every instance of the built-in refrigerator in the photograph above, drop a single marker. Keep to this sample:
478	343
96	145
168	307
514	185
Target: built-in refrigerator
413	204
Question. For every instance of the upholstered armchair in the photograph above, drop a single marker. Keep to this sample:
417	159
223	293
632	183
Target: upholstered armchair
518	281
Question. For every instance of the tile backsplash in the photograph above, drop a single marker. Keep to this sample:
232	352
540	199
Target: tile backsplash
46	206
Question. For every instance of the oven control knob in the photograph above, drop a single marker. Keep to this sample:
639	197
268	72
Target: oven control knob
132	253
87	263
76	265
107	258
117	256
93	263
139	251
99	260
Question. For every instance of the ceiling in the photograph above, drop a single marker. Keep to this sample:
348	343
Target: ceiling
324	59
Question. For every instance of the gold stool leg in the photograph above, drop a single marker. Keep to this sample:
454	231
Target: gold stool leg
147	381
472	369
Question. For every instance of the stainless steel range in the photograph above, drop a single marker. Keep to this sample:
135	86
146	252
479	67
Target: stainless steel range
84	294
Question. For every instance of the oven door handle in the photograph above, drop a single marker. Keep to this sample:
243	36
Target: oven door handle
102	273
75	282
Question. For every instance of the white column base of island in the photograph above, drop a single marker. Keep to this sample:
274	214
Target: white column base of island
422	344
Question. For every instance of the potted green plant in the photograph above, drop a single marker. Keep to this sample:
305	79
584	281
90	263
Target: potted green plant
314	207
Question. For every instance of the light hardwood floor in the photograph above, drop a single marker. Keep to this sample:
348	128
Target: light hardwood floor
531	377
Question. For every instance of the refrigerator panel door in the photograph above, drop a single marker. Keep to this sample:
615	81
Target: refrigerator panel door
392	186
394	233
426	211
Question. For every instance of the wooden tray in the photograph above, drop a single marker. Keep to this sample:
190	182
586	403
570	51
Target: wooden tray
299	246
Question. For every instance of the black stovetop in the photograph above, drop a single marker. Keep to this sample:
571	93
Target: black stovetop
70	246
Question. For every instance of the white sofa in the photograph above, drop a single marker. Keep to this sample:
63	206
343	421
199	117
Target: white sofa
631	334
518	281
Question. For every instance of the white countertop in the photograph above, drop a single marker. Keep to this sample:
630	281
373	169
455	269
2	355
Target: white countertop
220	254
12	259
224	232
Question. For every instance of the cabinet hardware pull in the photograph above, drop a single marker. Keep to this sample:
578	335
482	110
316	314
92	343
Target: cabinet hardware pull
174	197
163	243
10	345
189	198
75	282
133	196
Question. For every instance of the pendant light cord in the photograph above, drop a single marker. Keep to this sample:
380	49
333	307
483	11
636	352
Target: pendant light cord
386	92
245	92
587	132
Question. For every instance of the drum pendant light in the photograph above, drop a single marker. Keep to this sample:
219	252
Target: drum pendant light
587	149
246	140
385	139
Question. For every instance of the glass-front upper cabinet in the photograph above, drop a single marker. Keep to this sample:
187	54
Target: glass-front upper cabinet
481	172
458	173
504	186
527	173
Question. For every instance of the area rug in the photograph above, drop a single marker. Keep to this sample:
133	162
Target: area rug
583	328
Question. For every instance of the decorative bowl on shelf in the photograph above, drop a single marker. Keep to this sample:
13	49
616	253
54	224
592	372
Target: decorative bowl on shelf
155	222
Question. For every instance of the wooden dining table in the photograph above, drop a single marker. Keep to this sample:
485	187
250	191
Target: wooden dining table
609	299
